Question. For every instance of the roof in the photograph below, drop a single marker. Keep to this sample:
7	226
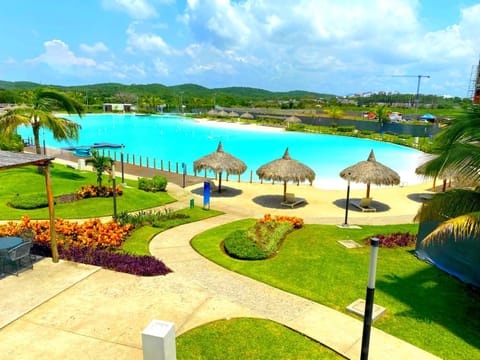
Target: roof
9	159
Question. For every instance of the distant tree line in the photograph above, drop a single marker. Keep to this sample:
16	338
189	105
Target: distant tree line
195	98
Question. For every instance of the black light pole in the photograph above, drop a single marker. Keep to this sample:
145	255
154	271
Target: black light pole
367	318
347	204
121	160
114	191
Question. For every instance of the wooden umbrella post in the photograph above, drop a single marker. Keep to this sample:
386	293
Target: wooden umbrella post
51	212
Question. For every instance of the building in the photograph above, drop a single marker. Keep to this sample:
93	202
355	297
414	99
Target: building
110	107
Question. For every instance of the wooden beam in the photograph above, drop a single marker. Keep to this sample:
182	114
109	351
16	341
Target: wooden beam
51	212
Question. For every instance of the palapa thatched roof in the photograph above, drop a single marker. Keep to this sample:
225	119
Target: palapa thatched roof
222	113
212	112
293	120
370	172
233	114
286	169
220	161
246	115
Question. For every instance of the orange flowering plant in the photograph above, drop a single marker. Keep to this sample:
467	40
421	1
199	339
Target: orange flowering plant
294	220
92	233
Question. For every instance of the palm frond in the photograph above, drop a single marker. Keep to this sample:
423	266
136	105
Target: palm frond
460	228
70	105
450	204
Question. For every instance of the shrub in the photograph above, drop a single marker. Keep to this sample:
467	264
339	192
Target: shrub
131	264
29	201
89	191
91	233
149	217
366	132
157	183
239	246
394	240
294	220
345	128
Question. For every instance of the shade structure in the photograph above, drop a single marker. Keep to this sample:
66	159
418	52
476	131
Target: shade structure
233	114
220	161
286	169
370	172
212	112
246	115
222	113
293	120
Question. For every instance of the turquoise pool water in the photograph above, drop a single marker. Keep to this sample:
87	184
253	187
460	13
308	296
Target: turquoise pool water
179	139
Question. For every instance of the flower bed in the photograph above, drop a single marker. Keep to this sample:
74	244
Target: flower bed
91	242
394	240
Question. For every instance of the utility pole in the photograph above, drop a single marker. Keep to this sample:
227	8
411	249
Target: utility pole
419	77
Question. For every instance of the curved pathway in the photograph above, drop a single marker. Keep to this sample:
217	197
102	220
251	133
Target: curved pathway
236	295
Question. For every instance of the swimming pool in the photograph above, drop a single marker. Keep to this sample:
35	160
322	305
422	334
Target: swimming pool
183	140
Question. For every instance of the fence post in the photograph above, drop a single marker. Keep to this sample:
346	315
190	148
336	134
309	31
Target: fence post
161	164
168	165
140	160
251	175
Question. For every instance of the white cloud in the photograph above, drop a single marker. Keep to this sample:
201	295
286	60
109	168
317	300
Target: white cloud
147	42
137	9
58	55
95	48
160	67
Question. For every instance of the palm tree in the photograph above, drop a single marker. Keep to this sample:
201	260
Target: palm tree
381	113
457	211
100	164
38	114
334	112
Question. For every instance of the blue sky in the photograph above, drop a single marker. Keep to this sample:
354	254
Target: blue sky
338	47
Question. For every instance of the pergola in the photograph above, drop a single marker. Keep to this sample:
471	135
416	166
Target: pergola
9	160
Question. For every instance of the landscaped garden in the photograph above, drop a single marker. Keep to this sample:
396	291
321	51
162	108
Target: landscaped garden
27	183
425	306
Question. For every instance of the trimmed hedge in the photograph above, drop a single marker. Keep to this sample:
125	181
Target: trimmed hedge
29	201
240	246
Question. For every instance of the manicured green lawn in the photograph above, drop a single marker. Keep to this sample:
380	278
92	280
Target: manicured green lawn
138	242
425	306
65	180
247	338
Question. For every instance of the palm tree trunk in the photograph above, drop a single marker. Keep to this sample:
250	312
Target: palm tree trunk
284	191
219	182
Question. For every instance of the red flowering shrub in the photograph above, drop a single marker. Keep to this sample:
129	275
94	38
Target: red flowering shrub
91	233
394	240
89	191
295	221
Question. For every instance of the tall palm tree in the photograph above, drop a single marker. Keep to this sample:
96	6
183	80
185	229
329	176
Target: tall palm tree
38	114
457	211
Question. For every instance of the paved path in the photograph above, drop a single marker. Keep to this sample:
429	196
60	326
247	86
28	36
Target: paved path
74	311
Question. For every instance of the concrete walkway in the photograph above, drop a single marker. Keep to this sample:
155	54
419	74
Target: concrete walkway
75	311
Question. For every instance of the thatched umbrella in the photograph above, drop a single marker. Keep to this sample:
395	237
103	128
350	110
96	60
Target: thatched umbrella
222	113
233	114
212	112
246	115
292	120
443	174
370	172
286	169
220	161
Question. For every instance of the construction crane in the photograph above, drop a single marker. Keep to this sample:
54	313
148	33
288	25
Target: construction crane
418	86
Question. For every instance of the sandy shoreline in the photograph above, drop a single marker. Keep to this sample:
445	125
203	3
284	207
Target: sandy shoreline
237	125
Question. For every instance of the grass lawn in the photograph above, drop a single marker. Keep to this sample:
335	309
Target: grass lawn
138	242
247	338
65	180
425	306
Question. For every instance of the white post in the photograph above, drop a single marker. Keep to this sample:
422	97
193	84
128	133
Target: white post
158	341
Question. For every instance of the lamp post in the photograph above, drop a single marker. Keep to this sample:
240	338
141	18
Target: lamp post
367	317
114	191
121	161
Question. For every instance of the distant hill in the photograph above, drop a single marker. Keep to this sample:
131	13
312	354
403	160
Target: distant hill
191	90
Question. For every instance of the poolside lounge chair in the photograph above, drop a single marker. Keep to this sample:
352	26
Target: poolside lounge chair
292	201
364	205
